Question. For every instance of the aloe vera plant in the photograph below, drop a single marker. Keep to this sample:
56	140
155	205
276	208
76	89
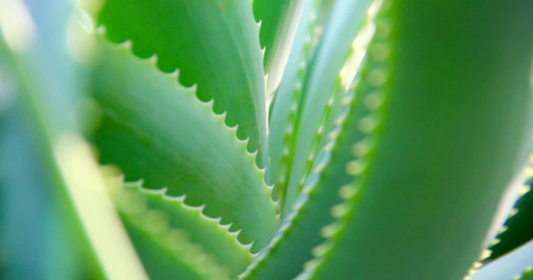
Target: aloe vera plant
286	139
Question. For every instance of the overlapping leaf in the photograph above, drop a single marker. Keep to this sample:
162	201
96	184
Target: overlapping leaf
175	240
452	129
156	130
517	229
319	89
287	97
279	22
204	232
214	44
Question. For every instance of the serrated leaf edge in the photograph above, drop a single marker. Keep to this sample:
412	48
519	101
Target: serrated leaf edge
180	200
486	253
370	126
100	32
302	201
310	181
354	59
155	222
289	132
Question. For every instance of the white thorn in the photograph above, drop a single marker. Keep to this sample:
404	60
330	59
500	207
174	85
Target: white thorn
225	227
254	154
154	192
180	199
223	115
122	177
100	30
201	209
235	233
245	141
209	103
215	220
234	129
174	74
126	44
248	246
194	87
153	59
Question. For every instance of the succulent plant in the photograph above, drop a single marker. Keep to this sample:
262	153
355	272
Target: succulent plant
266	139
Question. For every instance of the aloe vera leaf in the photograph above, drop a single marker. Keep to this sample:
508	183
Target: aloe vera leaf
449	138
32	42
165	252
528	275
160	261
284	107
203	231
509	266
26	245
517	229
327	130
279	22
38	46
326	6
345	22
155	227
300	232
156	130
506	220
213	43
24	181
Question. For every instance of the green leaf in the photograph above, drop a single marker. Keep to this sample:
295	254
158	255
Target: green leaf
279	22
202	231
517	228
345	22
156	130
44	88
287	97
166	252
292	245
166	233
214	44
326	6
528	275
448	136
30	223
509	266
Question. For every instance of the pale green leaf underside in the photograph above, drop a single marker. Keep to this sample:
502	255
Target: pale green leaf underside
279	22
40	223
287	97
508	266
517	227
206	233
167	253
156	130
319	86
214	44
23	176
301	231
